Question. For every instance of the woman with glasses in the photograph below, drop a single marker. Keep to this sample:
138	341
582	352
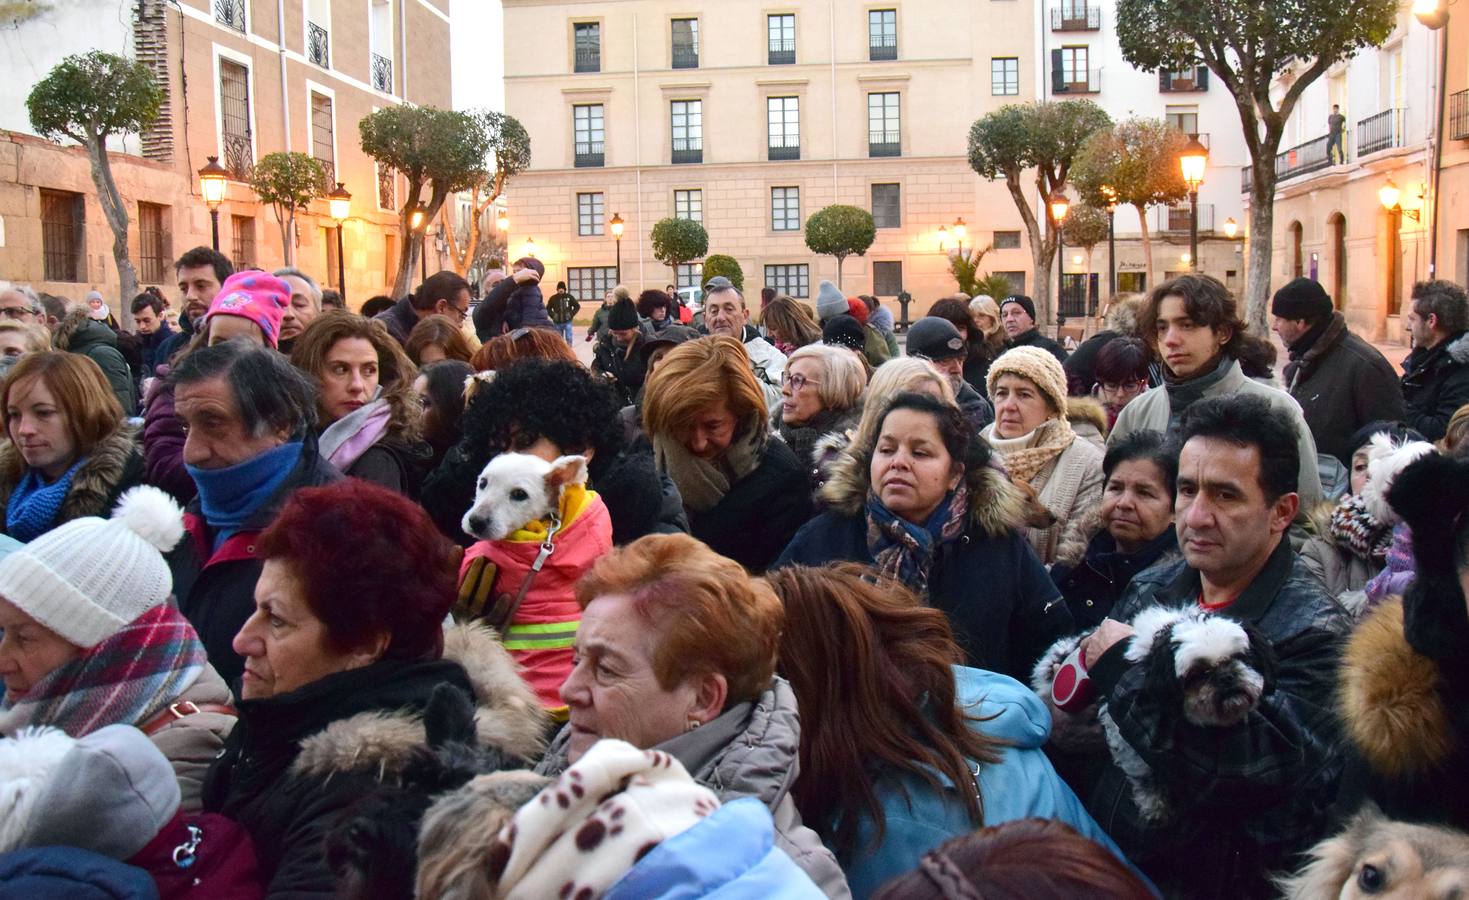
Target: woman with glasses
1121	373
370	417
820	392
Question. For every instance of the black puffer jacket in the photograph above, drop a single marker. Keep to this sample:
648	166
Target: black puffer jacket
1435	383
1095	584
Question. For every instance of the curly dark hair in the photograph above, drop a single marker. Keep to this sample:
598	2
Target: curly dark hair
536	398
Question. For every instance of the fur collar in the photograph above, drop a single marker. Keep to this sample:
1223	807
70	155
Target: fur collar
1086	411
1390	698
95	485
507	716
1122	317
1458	349
78	325
996	506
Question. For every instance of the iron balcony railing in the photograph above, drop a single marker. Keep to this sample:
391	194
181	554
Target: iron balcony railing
238	156
1184	81
1063	82
688	150
784	148
1382	131
1302	159
231	14
686	56
1072	18
882	48
588	59
1174	219
884	143
1459	116
782	52
387	188
382	73
316	45
328	174
589	154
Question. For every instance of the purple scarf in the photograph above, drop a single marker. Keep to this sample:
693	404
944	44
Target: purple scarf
346	439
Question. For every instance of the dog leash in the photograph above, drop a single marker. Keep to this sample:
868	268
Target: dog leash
548	546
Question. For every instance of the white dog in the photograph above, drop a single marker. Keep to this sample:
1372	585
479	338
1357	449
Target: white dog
516	489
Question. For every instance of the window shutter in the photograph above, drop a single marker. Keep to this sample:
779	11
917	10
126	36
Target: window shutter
1058	76
1165	80
1201	78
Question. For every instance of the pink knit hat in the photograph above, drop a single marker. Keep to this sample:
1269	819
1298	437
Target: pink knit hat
258	296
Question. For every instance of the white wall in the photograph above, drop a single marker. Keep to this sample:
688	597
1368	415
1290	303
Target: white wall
476	48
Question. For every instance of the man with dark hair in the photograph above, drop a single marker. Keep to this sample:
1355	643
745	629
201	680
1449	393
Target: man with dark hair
201	272
1436	373
1243	796
1336	126
1341	381
1017	317
443	293
251	441
332	299
562	308
152	329
1193	325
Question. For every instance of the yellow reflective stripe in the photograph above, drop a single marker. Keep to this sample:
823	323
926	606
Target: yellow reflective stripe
544	627
565	643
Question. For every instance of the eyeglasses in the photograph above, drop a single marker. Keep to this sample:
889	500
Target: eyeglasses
18	312
1118	391
797	381
462	313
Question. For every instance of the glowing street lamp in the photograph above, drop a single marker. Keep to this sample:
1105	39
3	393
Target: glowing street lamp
213	179
960	232
617	236
1060	206
502	221
1193	160
1110	195
1389	194
340	203
1231	227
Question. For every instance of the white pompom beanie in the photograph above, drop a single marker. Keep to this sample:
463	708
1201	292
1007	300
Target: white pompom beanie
88	578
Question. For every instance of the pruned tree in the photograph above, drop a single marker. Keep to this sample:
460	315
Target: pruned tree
1085	227
509	154
1046	137
840	231
965	269
287	182
436	150
728	266
90	98
678	241
1252	48
1137	159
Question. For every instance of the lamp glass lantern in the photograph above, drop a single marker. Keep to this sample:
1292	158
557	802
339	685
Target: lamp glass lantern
213	179
415	221
617	225
502	221
1231	227
943	237
960	230
1389	194
1193	160
340	202
1434	14
1060	206
530	247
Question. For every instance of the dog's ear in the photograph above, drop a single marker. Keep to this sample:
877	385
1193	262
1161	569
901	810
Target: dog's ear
449	716
1161	670
1262	654
567	470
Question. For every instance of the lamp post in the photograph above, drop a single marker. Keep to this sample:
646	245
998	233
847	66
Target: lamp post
1434	15
617	237
415	222
1111	207
502	221
1193	160
1231	228
1389	195
943	239
1060	206
213	179
340	202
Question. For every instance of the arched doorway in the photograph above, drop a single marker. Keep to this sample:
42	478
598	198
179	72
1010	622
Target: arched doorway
1337	227
1297	234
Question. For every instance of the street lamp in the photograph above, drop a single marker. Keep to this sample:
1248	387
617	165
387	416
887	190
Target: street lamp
617	236
1193	160
340	202
960	232
943	238
1231	228
415	222
213	179
1060	206
502	221
1434	14
1110	195
530	247
1389	195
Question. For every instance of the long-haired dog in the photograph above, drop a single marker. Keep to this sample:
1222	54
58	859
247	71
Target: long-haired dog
1207	670
1381	858
515	489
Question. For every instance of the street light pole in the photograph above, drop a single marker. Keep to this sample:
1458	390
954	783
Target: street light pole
213	179
340	203
1059	206
1111	196
1193	161
617	224
1193	229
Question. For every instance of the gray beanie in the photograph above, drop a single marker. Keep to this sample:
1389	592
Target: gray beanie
830	302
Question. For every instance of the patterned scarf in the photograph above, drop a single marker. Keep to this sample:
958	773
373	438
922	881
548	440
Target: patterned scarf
124	680
1028	454
903	551
1356	530
33	504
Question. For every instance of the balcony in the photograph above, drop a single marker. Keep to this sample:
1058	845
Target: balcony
238	156
328	174
382	73
387	187
1076	18
1064	82
1174	219
316	45
1302	159
782	53
783	148
884	143
1459	116
688	150
589	155
882	48
1382	131
1184	81
686	56
230	14
588	59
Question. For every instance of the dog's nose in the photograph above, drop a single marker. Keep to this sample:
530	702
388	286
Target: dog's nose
476	525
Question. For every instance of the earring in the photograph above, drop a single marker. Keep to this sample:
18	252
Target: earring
693	723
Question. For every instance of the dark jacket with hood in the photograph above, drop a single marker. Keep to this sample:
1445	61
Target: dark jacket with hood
399	319
80	334
395	463
1003	607
1342	383
1094	584
175	342
113	466
802	439
296	761
1258	792
626	366
761	512
1034	338
215	587
1435	383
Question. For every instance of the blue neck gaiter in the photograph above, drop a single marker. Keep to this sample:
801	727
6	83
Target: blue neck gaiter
229	497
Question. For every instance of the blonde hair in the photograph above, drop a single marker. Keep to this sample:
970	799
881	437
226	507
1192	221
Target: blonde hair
36	337
694	376
842	376
896	376
790	321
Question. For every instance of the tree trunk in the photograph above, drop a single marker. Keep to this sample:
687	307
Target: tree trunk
115	211
409	267
1041	251
1262	225
839	257
1142	222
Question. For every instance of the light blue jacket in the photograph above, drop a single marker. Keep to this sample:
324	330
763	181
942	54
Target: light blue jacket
1021	785
730	856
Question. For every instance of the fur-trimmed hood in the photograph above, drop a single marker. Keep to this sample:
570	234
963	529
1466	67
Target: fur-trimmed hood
1458	349
115	464
77	330
1086	414
1123	315
507	717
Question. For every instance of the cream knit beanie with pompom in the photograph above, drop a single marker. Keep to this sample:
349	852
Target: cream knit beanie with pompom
88	578
1035	364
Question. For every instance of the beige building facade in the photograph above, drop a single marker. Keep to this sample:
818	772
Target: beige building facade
750	117
244	78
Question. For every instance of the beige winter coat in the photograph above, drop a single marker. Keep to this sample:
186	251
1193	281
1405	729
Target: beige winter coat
192	742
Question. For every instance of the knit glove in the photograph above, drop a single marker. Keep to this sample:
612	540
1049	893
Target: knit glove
1432	496
476	590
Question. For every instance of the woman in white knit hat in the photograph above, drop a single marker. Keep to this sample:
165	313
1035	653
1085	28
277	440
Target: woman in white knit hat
90	638
1033	437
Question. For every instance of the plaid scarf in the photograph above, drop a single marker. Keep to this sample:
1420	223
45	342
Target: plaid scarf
124	680
904	551
1355	529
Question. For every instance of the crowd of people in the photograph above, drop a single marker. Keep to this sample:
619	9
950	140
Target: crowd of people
769	600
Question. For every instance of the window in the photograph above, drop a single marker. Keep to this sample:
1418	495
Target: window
387	188
782	31
390	258
793	281
689	275
883	137
688	131
1193	78
882	34
1184	118
318	17
785	209
689	205
887	206
587	46
686	43
62	219
589	214
1006	240
234	119
783	115
1005	76
381	27
591	281
231	14
1070	72
242	247
590	137
154	251
887	279
1017	281
322	144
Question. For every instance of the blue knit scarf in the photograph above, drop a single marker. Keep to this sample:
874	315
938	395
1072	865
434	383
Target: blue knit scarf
229	497
33	504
